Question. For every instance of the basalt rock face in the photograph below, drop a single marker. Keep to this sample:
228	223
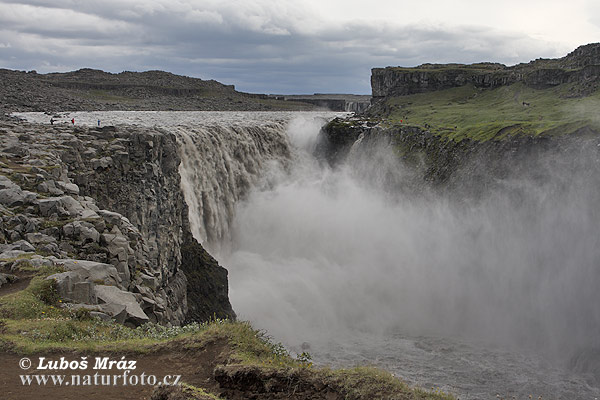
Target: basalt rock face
582	67
468	167
105	205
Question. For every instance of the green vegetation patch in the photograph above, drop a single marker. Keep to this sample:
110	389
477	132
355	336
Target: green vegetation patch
484	114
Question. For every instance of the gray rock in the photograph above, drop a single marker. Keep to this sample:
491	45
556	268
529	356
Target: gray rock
99	273
50	187
114	295
81	231
84	292
65	282
64	206
10	254
118	312
89	214
12	197
69	188
35	261
40	239
100	315
110	217
18	245
149	281
6	183
102	163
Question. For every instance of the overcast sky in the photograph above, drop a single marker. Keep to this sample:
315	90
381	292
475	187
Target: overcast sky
287	46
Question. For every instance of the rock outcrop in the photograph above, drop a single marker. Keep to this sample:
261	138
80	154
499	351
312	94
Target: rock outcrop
581	67
104	206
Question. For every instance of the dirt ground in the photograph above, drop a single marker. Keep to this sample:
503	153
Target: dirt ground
195	367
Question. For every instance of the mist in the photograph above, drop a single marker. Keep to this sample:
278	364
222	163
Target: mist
320	253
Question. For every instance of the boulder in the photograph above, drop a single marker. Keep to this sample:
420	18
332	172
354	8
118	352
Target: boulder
6	183
18	245
110	217
114	295
100	315
10	254
81	231
12	197
50	187
69	188
118	312
149	281
64	206
71	287
39	238
100	273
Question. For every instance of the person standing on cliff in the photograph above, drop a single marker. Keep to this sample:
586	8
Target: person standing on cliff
73	121
51	121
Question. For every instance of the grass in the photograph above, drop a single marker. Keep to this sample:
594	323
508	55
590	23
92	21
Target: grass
30	324
484	114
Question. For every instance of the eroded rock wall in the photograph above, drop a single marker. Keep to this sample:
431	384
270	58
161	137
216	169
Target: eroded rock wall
106	206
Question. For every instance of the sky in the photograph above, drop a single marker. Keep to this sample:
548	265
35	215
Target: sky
287	46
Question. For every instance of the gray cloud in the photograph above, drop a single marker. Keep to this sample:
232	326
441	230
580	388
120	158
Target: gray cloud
258	46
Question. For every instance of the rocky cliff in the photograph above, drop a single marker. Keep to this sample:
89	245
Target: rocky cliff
467	167
104	207
582	66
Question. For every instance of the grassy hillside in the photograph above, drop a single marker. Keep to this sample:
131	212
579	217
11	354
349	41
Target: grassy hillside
218	360
483	114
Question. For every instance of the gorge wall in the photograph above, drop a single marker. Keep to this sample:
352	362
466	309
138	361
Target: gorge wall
106	207
581	66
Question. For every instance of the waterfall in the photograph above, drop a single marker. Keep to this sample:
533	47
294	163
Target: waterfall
221	162
219	165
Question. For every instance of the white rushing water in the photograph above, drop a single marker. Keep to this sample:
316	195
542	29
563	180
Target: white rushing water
479	298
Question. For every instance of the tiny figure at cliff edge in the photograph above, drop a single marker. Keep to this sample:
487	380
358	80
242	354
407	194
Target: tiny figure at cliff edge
73	121
98	122
51	121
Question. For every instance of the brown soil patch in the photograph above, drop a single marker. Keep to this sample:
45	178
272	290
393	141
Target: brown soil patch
195	367
20	284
